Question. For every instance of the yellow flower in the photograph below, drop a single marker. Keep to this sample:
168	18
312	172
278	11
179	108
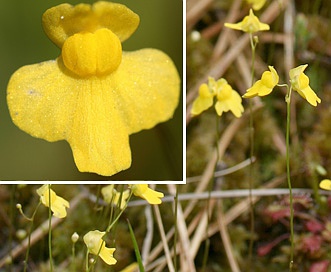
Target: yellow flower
300	83
249	24
227	98
151	196
256	4
204	100
110	195
96	246
58	204
94	95
265	85
325	184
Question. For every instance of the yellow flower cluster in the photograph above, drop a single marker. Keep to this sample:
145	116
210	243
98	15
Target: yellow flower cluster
227	98
299	82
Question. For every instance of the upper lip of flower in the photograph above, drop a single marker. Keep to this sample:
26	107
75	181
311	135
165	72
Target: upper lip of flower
64	20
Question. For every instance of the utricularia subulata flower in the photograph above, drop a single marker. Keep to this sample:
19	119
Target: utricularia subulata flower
94	95
143	191
97	246
299	83
265	85
249	24
227	99
50	199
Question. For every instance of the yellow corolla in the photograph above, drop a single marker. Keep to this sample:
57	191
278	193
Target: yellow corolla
300	83
265	85
256	4
143	191
58	204
97	246
94	95
227	98
249	24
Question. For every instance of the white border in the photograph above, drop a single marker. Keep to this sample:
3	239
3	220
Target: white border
73	182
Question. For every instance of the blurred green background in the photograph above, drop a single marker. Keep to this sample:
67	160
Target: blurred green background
157	154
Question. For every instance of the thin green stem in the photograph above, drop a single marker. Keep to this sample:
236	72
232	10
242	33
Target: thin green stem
50	230
210	188
176	229
251	140
288	102
87	262
29	236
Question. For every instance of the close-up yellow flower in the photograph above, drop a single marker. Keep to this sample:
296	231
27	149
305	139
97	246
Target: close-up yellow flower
227	98
94	95
58	204
96	246
256	4
265	85
250	24
143	191
111	195
300	83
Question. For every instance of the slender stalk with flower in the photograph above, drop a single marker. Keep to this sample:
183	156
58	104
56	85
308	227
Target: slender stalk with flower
227	99
251	24
299	82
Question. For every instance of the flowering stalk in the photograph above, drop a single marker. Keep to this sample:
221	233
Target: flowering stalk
50	229
251	142
288	119
31	219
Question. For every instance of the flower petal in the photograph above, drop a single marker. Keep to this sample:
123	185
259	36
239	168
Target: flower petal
47	103
308	94
233	103
106	255
64	20
143	191
95	115
297	71
203	101
257	4
325	184
96	245
58	204
258	89
147	86
237	26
